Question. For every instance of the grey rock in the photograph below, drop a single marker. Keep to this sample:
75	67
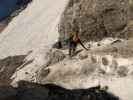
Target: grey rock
56	56
88	68
8	66
83	55
94	19
105	61
122	71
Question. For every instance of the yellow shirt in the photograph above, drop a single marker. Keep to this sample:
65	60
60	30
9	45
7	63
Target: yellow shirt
74	36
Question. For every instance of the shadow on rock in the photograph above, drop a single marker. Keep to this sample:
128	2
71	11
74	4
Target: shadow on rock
33	91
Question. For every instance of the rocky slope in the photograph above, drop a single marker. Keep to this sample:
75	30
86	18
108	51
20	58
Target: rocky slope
107	63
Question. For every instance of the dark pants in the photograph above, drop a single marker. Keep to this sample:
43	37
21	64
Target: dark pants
72	47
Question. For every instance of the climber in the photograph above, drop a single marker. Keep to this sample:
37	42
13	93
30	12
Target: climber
73	41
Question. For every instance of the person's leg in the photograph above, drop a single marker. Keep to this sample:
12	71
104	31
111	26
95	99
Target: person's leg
74	46
70	48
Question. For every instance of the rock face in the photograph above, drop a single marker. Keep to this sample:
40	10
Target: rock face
94	19
8	66
33	64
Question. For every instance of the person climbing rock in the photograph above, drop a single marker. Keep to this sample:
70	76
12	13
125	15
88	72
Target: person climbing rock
74	40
